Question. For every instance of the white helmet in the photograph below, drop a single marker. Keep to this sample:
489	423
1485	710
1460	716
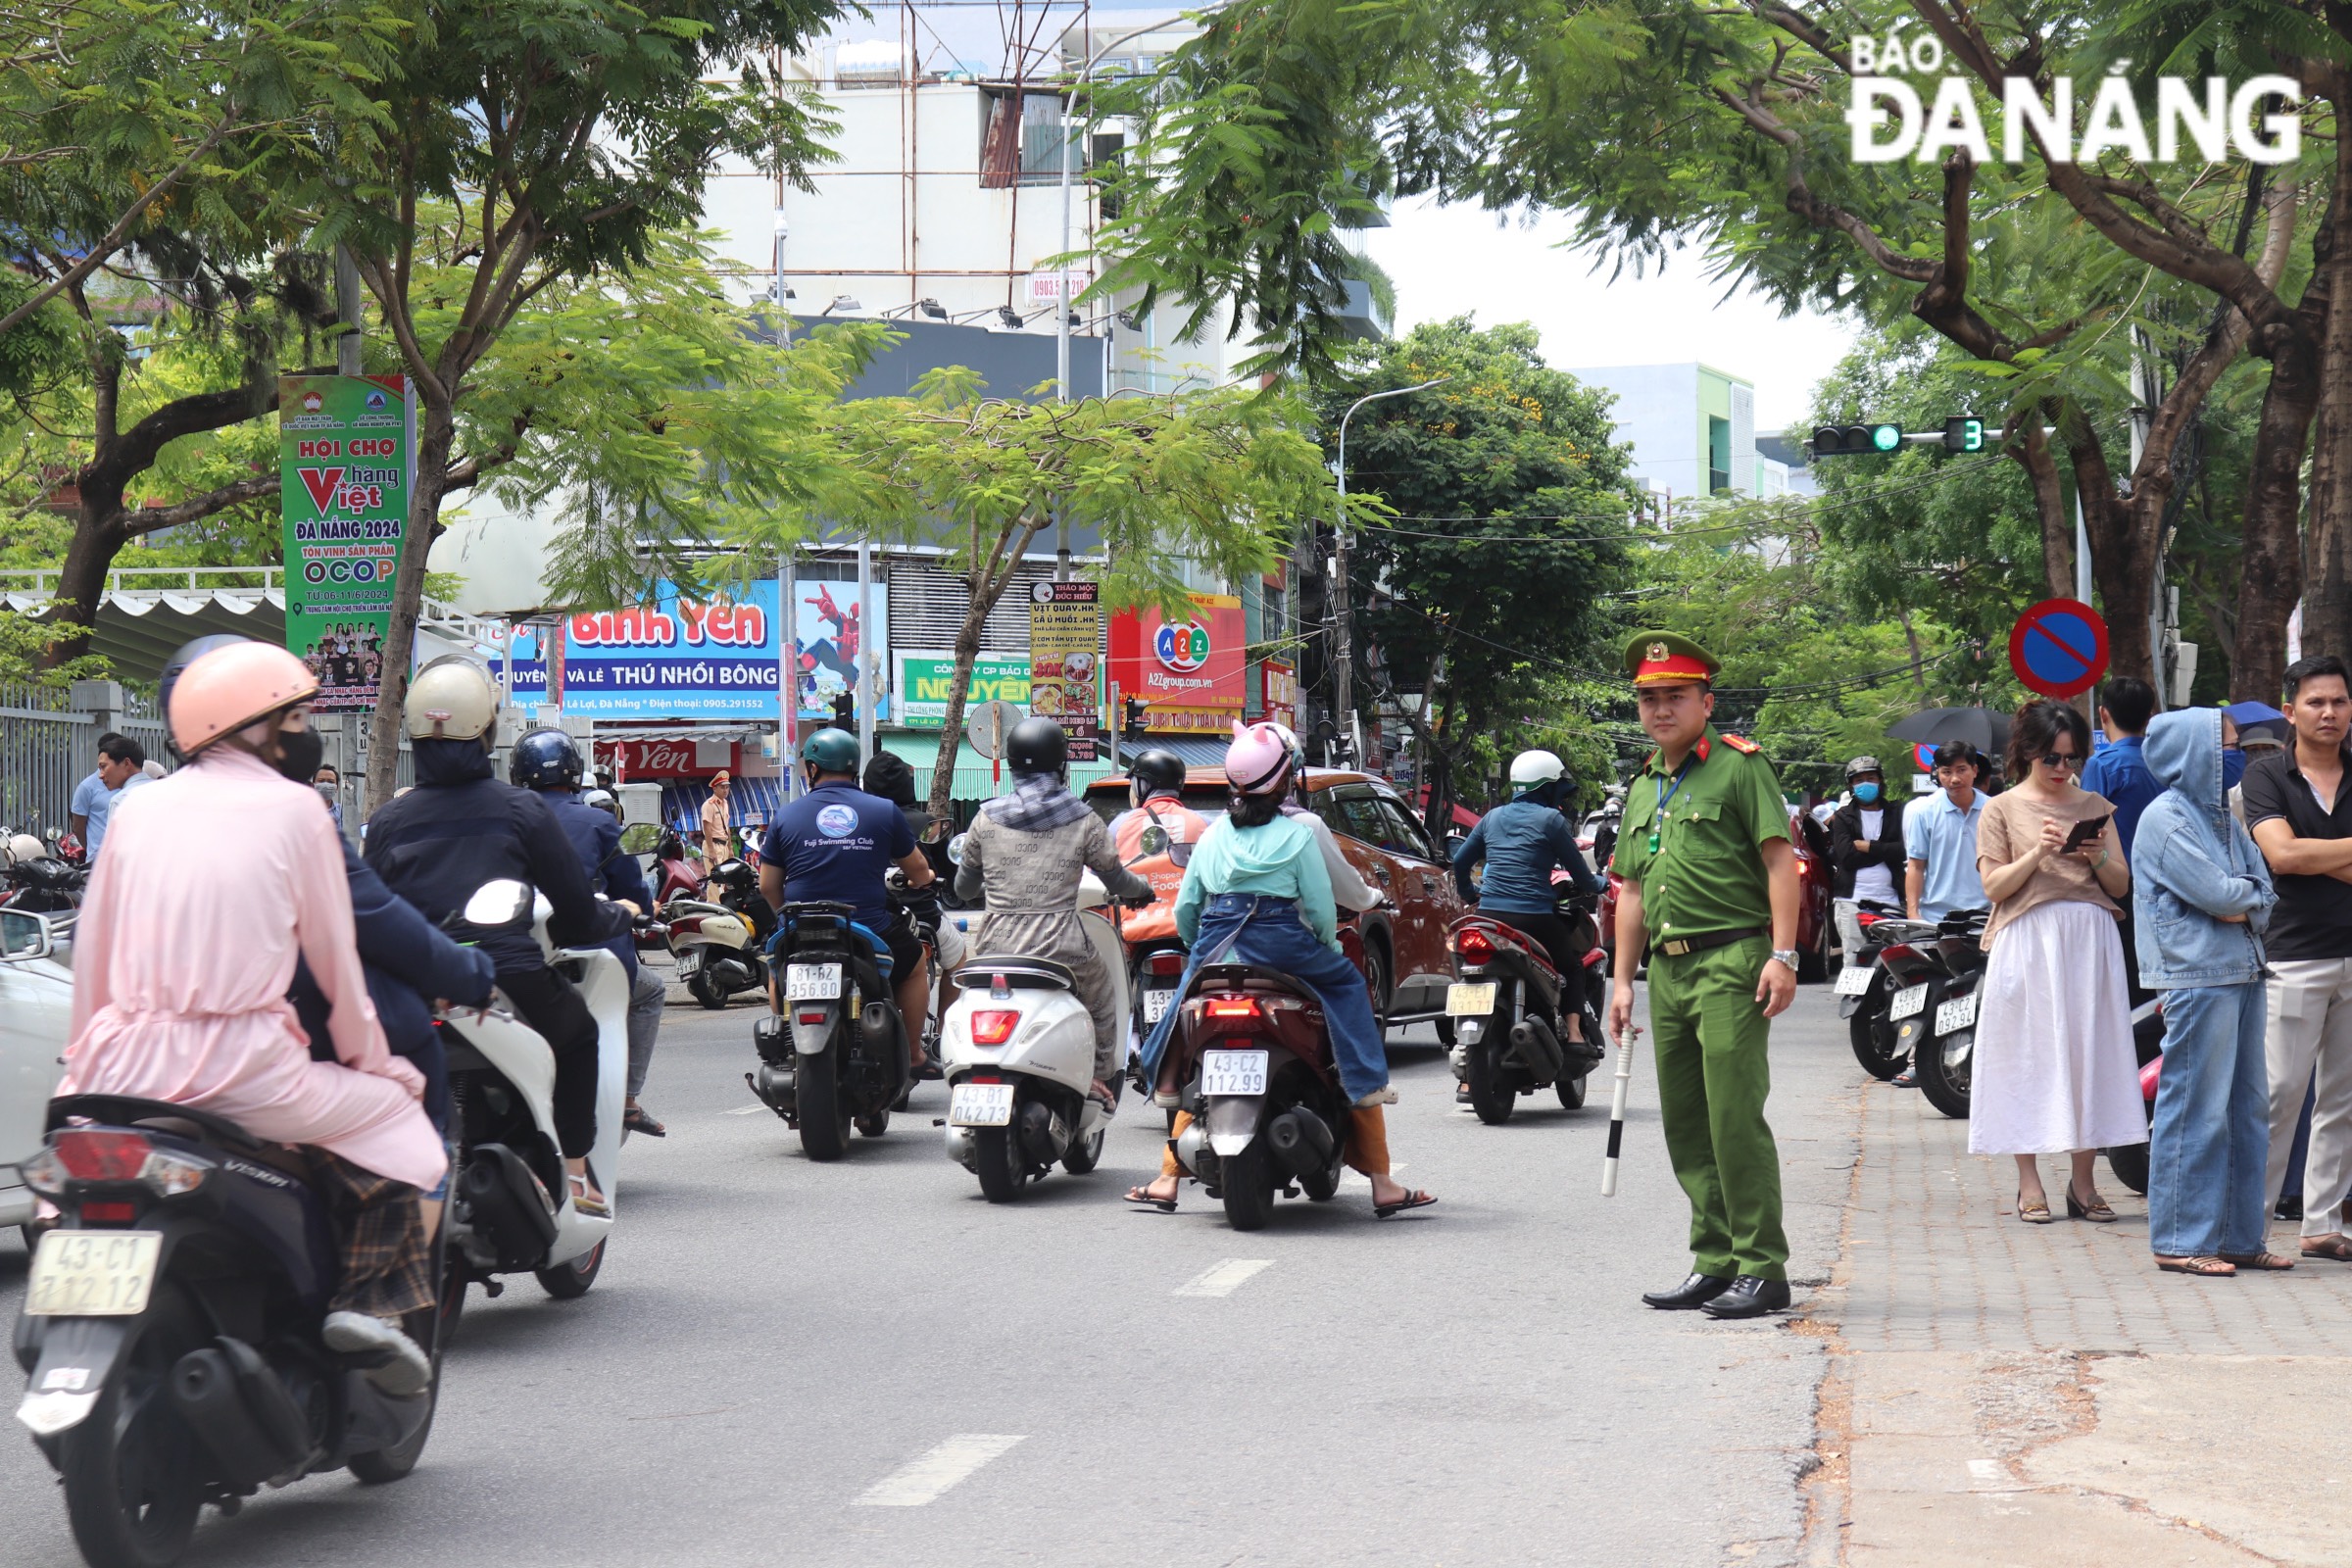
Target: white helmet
452	699
1532	769
24	849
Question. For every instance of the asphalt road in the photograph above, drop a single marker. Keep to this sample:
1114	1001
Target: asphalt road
786	1362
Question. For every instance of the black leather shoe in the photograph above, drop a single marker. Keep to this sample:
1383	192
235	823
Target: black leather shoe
1750	1296
1695	1291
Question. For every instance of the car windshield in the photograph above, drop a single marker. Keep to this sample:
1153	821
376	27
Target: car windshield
1110	800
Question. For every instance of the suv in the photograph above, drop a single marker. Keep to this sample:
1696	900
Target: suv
1406	962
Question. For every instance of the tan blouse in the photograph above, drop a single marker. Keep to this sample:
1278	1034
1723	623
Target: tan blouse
2011	826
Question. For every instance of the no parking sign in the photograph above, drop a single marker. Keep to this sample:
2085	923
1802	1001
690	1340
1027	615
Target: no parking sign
2059	648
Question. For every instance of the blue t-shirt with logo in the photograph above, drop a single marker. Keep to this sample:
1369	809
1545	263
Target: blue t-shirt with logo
836	842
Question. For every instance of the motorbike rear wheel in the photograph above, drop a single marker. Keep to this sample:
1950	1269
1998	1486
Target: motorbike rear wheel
706	990
1946	1082
2129	1162
1570	1091
1322	1186
567	1282
1084	1153
129	1467
1490	1095
875	1123
1872	1038
998	1161
1247	1182
824	1120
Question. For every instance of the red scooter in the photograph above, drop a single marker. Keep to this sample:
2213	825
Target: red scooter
1509	1007
677	879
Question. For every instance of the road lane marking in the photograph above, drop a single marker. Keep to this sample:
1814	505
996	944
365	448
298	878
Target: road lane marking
924	1477
1223	1279
744	1110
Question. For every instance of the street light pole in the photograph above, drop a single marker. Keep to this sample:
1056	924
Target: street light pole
1344	654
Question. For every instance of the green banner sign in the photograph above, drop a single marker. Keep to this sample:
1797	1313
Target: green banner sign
346	457
923	680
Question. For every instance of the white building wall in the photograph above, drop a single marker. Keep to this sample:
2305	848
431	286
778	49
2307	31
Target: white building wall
1658	412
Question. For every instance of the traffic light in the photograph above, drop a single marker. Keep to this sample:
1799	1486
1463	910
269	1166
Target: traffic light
1963	434
1132	721
1856	440
845	711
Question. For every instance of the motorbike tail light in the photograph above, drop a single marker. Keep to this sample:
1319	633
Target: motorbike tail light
109	1213
812	1018
1232	1007
1474	945
94	1156
1165	964
993	1026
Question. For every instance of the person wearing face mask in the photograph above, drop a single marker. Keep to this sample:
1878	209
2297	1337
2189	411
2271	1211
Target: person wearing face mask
1865	840
225	874
328	782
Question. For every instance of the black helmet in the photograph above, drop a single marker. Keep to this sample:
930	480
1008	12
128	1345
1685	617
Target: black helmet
546	760
1157	772
890	776
1038	746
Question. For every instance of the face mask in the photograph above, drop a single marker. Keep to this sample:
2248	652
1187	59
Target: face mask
326	789
299	752
2233	767
1866	794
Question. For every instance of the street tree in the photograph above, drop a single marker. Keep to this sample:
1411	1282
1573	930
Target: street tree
1214	480
1507	516
563	135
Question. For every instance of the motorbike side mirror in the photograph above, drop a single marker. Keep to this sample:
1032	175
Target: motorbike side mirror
1154	840
504	901
955	848
639	838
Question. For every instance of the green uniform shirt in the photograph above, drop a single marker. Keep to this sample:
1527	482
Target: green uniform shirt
1705	873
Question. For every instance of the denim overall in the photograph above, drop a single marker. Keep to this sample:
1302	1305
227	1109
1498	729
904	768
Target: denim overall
1269	932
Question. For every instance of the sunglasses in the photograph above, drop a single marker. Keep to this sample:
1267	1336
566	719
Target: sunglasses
2055	760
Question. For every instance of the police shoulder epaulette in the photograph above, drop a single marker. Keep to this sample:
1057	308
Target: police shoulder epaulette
1741	743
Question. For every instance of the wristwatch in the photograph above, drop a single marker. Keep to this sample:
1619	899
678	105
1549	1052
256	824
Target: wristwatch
1786	955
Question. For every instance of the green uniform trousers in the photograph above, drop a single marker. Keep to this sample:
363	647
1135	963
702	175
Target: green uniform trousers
1711	1034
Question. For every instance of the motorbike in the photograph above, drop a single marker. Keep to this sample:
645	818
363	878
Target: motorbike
1250	1058
1018	1049
942	939
2130	1162
1152	956
171	1330
836	1054
41	886
511	1209
1866	986
1509	1005
720	945
675	874
1935	1011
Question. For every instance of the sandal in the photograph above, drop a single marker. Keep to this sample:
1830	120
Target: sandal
2097	1211
1143	1198
2034	1213
637	1120
2260	1263
2211	1268
587	1200
1416	1198
2336	1249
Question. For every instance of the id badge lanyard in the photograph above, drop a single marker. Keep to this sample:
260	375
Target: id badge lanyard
1664	797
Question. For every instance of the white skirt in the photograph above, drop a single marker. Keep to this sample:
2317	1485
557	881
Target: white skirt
2054	1067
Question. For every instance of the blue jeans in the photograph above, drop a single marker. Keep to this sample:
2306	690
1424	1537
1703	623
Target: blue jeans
1251	928
2212	1135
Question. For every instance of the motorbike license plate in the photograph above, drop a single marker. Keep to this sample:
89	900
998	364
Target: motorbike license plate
1156	1003
1233	1072
812	982
93	1273
1956	1014
1855	978
1908	1001
980	1104
690	962
1473	999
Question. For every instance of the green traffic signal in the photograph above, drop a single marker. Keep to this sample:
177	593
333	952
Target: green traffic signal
1885	437
1856	440
1963	434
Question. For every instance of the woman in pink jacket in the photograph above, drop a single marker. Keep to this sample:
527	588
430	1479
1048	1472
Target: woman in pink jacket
223	875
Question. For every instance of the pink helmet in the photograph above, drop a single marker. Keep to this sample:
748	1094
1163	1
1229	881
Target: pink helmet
1258	762
229	688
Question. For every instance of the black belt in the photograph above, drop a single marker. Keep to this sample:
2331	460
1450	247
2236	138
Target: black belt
1683	947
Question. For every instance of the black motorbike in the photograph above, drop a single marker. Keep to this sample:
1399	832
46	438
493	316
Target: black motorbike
1944	1044
1509	1009
1866	985
835	1056
171	1330
46	886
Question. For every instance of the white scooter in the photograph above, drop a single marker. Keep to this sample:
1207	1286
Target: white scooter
1018	1051
511	1209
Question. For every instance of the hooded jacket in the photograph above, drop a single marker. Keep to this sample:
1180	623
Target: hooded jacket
2196	863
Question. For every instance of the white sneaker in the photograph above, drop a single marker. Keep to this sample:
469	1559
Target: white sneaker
407	1371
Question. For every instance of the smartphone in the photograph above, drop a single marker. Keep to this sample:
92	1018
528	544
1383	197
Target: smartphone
2084	831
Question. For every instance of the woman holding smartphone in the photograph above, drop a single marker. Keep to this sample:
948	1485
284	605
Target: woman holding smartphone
2054	1069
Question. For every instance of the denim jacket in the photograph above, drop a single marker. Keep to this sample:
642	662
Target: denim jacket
2193	862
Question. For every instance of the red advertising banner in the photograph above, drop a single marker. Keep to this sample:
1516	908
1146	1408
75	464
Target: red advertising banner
1188	672
642	760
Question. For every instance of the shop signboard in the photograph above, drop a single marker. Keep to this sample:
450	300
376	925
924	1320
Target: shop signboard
923	676
1189	670
1278	693
1065	653
347	447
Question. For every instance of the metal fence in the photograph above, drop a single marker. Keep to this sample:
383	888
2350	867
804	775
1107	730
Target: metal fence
45	748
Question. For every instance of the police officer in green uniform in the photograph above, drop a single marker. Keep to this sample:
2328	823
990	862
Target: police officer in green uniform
1710	888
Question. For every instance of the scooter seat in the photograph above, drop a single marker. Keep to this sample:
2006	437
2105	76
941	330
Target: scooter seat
1019	971
1250	978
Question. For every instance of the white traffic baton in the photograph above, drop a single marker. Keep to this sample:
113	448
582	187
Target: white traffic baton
1625	1076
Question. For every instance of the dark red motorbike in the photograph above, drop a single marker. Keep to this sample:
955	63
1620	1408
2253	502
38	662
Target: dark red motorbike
1509	1007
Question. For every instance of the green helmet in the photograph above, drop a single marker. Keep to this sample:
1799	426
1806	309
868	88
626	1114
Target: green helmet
831	751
